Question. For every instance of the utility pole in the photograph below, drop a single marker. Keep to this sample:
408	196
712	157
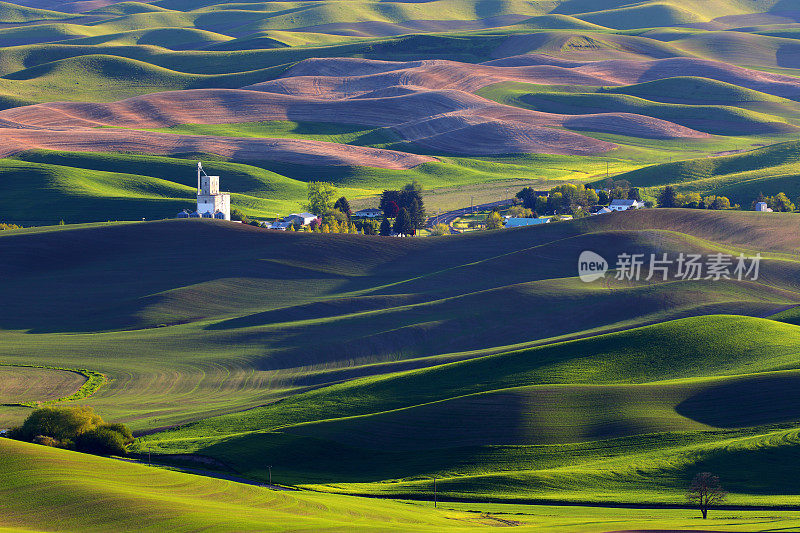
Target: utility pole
435	502
607	172
148	456
471	204
270	474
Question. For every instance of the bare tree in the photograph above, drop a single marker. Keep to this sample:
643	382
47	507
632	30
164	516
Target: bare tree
706	491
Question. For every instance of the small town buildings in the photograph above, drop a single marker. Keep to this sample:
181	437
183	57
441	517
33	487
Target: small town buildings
520	222
762	207
368	213
602	211
625	205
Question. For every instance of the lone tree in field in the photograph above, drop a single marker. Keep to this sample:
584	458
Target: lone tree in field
706	491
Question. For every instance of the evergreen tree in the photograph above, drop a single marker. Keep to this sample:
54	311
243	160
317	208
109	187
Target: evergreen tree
343	205
528	197
417	213
387	199
386	227
403	225
668	197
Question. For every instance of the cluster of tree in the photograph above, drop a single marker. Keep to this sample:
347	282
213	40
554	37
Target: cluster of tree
519	211
332	216
403	225
564	199
73	428
405	207
494	221
669	197
9	226
779	203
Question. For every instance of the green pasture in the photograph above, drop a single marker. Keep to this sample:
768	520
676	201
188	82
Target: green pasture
119	495
366	366
741	177
410	382
41	186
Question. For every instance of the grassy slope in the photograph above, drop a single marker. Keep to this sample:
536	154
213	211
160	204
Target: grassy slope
259	308
113	187
246	320
120	496
695	104
440	436
37	384
741	177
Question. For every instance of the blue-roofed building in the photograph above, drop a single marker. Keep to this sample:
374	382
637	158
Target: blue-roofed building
183	214
520	222
194	214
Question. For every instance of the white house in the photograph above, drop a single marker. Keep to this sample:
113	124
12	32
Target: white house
519	222
368	213
300	219
303	218
625	205
762	206
210	202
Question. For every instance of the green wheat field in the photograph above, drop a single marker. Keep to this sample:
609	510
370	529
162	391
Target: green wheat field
455	383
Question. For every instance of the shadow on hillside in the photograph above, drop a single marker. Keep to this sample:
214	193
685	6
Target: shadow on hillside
747	401
768	470
297	459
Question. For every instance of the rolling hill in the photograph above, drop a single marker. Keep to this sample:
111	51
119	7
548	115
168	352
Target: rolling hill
475	368
740	176
405	348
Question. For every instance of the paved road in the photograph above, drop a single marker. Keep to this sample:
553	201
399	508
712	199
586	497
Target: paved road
450	216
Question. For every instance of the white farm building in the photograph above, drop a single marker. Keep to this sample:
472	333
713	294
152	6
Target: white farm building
210	202
209	199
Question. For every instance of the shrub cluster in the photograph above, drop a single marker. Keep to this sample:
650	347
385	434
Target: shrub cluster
73	428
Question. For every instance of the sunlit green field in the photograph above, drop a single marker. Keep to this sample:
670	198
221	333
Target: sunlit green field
362	380
373	375
126	496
